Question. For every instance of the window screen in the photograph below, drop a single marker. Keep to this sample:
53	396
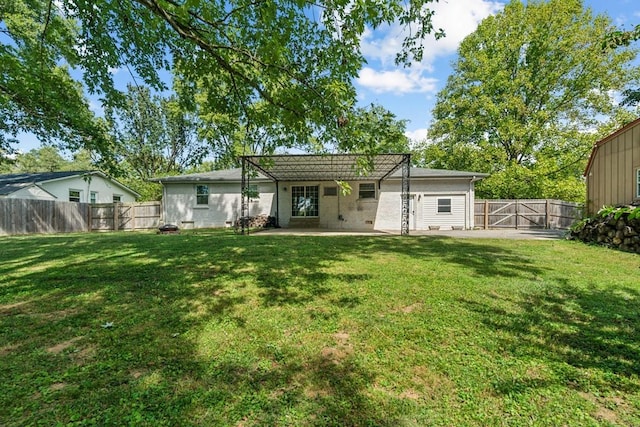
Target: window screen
74	196
444	205
202	194
367	190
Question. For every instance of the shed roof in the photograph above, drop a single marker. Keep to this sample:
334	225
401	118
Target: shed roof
606	139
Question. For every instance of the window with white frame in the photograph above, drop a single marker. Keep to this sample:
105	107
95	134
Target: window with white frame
444	206
367	190
93	197
304	200
202	194
74	196
638	183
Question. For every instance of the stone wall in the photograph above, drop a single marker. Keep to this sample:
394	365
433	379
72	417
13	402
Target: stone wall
617	228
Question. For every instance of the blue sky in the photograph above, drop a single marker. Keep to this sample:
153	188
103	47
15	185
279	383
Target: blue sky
410	93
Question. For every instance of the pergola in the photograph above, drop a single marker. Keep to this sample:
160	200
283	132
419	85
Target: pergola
326	167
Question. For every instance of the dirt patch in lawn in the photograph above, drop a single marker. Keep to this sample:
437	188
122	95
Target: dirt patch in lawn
62	346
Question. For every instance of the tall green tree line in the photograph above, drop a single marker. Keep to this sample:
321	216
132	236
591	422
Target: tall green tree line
528	93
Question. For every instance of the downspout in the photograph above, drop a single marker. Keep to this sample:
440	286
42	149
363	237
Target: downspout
162	202
277	204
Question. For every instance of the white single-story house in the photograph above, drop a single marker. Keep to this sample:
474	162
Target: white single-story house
307	191
73	186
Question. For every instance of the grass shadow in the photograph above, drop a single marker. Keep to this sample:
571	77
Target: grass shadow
588	334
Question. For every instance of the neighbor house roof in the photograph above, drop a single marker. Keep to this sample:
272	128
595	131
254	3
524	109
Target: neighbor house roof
11	183
606	139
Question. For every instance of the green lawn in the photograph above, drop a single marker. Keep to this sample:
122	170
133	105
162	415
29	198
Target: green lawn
210	328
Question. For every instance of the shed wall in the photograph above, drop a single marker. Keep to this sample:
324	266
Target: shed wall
611	180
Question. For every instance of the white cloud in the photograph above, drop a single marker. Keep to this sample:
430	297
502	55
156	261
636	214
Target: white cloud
416	136
396	81
458	18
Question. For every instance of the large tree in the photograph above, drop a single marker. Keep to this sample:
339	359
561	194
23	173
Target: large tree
298	57
37	92
529	88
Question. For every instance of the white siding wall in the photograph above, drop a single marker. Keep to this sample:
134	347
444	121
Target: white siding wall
455	218
224	206
388	216
105	189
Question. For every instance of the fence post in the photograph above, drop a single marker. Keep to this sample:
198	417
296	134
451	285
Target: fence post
90	218
516	214
486	214
547	216
116	220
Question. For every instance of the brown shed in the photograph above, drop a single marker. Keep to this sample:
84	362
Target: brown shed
613	171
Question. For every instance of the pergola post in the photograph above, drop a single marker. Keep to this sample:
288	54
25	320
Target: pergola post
406	163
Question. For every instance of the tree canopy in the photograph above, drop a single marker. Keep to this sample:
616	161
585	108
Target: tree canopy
530	87
37	92
295	60
47	159
616	39
153	135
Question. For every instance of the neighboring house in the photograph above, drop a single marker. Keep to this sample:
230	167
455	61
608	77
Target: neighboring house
213	199
613	171
75	186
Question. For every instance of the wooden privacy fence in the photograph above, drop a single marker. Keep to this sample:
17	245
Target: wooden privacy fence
26	216
521	213
125	216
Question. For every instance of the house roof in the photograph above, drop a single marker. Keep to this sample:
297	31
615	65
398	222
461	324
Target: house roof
225	175
11	183
327	167
440	174
606	139
235	175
